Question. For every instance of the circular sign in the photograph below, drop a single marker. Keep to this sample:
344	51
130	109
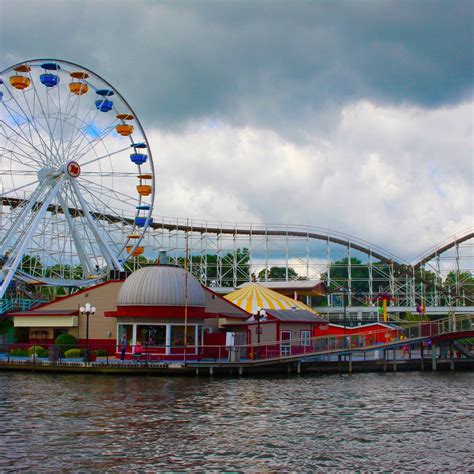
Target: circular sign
73	169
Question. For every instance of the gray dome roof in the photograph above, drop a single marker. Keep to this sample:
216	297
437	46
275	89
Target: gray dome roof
160	285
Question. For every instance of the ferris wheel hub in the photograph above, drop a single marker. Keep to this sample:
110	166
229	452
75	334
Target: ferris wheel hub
73	169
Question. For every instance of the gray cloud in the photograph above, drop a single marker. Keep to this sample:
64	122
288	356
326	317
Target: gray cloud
284	65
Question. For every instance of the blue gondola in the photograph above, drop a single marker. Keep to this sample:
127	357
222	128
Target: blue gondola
143	207
1	95
138	158
104	92
141	221
51	66
138	145
49	80
104	105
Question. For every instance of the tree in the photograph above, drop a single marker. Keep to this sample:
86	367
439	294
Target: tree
278	273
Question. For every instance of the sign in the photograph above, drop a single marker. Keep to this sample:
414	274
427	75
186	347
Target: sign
73	169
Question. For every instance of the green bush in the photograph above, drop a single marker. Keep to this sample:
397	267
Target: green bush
43	353
73	353
101	352
35	350
18	352
65	342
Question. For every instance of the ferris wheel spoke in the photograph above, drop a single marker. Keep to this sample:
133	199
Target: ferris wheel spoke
111	259
118	194
106	156
92	144
14	190
88	122
100	204
28	141
30	122
12	155
45	115
115	174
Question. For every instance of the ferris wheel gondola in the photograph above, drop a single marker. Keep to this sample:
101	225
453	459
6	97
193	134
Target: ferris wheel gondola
74	159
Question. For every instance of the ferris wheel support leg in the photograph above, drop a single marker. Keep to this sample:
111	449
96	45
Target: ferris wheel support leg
11	265
81	252
20	220
107	253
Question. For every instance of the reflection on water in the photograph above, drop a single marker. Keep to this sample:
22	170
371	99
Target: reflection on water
366	421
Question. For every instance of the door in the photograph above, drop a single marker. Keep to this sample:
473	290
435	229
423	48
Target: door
285	343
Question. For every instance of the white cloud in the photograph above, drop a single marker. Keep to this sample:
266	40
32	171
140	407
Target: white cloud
399	177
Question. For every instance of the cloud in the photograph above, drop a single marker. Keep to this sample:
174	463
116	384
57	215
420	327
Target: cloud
289	67
400	177
351	115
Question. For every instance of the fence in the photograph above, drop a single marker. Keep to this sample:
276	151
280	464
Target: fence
295	348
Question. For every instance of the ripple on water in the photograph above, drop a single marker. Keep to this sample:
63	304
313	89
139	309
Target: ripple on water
399	421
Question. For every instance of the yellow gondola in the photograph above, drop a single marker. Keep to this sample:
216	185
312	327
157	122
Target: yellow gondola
145	176
144	189
133	236
20	82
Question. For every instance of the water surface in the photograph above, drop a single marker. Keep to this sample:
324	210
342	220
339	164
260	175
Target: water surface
401	421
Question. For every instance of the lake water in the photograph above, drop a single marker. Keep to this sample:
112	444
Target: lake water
401	421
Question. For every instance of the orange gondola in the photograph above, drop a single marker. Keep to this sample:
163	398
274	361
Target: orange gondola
133	236
144	189
138	251
20	82
145	176
125	117
124	129
78	88
22	68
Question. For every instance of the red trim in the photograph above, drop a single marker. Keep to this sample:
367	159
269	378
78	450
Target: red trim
157	312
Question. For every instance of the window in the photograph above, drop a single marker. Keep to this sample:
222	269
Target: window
306	338
177	336
126	329
151	335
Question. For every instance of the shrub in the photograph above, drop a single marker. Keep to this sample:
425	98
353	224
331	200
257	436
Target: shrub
65	342
73	353
43	353
35	350
17	352
101	352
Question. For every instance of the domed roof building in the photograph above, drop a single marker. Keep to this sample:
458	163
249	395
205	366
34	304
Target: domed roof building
161	285
164	309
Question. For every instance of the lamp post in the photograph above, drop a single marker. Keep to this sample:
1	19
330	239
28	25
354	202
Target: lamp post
88	310
260	315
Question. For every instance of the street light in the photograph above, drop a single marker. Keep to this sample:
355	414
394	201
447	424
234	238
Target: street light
88	310
260	315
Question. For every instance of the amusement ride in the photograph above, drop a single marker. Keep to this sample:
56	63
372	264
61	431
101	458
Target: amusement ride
74	159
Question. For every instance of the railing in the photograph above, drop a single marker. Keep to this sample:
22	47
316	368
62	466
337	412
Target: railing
412	333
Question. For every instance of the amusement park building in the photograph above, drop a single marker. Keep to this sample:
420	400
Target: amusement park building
149	307
158	307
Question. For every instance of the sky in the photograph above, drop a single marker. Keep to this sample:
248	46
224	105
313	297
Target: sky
355	116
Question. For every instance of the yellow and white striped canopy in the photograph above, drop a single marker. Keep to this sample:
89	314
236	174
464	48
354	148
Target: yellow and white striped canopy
253	297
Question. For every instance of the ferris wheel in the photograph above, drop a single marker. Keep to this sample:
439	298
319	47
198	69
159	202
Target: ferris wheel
76	175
